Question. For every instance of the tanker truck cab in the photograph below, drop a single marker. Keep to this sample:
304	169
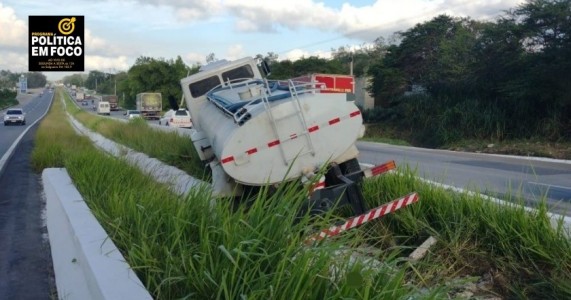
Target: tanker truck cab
254	132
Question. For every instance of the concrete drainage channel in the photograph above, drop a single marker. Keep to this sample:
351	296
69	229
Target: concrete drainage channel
87	264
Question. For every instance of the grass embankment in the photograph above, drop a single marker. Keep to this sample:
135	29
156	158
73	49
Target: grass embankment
184	248
136	134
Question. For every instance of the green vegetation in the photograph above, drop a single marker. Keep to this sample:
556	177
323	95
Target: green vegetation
136	134
384	134
190	247
455	78
7	98
8	79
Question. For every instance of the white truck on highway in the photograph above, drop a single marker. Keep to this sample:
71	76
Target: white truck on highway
150	105
103	108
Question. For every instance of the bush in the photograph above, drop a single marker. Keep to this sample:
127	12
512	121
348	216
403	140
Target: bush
7	98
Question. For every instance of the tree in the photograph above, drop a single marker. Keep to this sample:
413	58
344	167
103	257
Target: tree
437	54
155	75
8	79
94	79
546	30
36	79
211	58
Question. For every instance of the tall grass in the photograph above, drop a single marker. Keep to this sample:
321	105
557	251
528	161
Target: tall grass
168	147
190	248
526	256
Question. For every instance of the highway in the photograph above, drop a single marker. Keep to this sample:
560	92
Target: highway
494	175
34	108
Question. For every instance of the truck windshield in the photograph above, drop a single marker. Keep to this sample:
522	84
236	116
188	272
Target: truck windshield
14	112
201	87
243	72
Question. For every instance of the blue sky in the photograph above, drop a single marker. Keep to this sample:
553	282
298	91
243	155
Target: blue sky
119	31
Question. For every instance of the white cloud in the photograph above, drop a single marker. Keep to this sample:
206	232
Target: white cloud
95	62
193	58
365	22
296	54
235	52
13	31
14	61
255	15
94	43
190	10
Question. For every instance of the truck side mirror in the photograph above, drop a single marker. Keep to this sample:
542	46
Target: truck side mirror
266	68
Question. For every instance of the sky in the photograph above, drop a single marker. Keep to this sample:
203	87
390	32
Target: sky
117	32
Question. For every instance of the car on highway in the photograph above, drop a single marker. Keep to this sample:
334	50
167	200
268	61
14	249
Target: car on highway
130	114
177	118
15	116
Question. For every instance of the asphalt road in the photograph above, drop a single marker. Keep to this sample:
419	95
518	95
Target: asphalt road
34	108
490	174
26	270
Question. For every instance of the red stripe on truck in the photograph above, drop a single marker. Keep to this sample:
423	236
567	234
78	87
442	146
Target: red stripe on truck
355	113
252	151
227	159
313	128
334	121
273	143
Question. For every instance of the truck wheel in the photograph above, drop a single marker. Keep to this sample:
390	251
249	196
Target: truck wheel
167	124
159	122
350	166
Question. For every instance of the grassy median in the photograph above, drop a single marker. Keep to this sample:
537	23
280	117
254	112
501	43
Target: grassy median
189	248
136	134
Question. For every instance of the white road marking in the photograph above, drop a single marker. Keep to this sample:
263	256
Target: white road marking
551	185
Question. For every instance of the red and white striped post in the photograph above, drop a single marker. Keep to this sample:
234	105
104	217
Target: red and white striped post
372	214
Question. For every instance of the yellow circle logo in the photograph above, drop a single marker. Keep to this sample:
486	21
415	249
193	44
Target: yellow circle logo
66	26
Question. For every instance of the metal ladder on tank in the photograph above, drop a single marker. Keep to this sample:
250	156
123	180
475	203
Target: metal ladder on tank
297	112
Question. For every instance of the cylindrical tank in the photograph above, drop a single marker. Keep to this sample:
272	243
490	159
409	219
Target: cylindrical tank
282	145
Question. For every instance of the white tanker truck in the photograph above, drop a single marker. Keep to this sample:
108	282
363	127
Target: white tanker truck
254	132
